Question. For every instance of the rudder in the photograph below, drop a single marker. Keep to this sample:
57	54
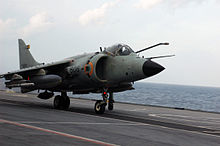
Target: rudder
25	57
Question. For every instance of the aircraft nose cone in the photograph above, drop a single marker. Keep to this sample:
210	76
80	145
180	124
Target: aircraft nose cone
151	68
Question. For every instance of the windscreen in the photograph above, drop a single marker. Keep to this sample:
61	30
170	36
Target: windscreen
119	50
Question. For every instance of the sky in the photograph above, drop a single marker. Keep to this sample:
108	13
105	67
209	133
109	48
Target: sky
60	29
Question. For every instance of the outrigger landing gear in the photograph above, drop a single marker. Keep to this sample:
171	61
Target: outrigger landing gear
101	104
61	102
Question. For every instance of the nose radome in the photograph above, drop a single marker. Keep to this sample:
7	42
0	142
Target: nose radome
151	68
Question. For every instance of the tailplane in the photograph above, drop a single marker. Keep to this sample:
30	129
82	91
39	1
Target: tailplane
25	57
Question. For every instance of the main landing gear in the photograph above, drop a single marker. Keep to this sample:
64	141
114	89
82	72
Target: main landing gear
61	102
101	104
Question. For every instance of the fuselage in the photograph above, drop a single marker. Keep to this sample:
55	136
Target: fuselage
106	72
109	69
114	69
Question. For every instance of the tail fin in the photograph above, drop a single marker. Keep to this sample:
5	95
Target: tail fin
25	57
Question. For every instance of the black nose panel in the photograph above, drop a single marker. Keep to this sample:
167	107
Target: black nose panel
151	68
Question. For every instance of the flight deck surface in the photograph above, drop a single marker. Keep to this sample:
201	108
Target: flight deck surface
27	120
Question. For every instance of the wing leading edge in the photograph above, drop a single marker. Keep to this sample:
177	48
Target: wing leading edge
34	69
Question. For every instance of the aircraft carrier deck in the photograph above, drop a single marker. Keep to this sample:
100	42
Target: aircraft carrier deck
27	120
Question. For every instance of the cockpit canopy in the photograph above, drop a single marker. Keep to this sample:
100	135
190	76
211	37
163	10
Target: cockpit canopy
119	50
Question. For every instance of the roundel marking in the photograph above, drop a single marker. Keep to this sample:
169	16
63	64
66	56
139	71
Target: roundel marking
88	68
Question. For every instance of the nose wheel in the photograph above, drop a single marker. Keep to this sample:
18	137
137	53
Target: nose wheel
99	107
101	104
110	102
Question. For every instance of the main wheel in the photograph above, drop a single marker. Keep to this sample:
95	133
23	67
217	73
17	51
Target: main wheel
66	103
99	107
58	102
61	102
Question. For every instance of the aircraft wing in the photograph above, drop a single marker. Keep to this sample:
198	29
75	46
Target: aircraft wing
50	67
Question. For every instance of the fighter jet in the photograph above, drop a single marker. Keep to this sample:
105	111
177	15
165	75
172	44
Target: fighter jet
112	69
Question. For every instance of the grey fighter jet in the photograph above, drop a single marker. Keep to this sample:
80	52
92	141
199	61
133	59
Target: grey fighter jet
110	70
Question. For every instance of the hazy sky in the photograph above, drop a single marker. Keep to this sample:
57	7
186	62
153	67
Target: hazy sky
59	29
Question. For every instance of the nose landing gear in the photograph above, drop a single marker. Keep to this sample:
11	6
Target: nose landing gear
110	102
100	107
101	104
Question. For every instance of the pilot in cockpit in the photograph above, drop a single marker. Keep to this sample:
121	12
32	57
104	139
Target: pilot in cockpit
119	50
